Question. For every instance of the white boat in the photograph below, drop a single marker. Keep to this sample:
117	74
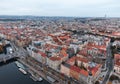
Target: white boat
22	70
40	79
19	65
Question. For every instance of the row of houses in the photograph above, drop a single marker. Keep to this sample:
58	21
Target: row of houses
117	64
52	55
81	69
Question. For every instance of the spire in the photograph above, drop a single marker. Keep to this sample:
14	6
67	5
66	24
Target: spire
105	16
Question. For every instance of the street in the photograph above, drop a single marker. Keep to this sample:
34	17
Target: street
109	63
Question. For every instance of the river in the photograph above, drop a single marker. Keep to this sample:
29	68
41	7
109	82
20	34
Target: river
9	74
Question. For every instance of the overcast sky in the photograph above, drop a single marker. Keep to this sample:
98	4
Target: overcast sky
82	8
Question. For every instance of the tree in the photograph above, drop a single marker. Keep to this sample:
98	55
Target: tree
97	82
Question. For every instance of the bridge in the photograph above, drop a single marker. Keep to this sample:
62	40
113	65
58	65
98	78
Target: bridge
18	53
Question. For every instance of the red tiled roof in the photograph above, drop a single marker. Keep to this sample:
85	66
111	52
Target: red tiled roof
116	33
92	45
55	58
83	72
94	69
117	62
117	59
72	59
117	56
83	52
82	59
42	54
63	37
75	68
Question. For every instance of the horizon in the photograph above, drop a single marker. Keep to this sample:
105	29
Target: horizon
58	16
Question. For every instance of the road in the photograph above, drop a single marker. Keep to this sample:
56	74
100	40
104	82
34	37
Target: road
109	63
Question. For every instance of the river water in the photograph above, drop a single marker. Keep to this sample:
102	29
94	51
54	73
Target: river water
9	74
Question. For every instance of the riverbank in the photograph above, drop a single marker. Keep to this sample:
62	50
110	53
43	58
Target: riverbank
9	74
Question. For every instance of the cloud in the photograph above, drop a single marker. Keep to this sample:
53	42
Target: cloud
60	7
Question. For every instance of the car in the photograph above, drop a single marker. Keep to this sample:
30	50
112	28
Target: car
10	50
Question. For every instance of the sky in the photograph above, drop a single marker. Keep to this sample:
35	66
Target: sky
81	8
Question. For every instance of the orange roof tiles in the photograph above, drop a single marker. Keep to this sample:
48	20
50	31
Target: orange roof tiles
78	70
63	52
83	72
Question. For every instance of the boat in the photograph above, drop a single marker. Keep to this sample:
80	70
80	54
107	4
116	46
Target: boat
50	79
40	79
33	78
19	65
23	71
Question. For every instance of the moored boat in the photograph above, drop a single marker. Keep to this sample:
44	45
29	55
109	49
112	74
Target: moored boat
22	70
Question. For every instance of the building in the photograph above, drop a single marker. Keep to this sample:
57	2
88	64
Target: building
54	62
65	69
75	72
117	64
41	57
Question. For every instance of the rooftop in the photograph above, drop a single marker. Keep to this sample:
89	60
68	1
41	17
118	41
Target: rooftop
56	58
